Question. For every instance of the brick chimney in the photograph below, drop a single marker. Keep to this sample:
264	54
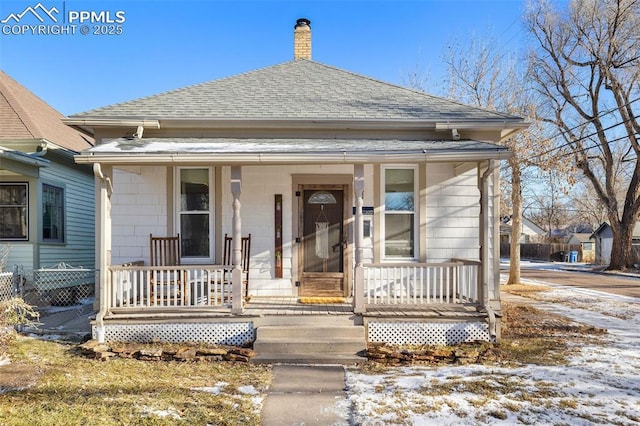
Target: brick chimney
302	39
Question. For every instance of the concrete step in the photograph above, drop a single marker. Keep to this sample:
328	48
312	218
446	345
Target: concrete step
298	332
309	344
307	359
309	320
336	345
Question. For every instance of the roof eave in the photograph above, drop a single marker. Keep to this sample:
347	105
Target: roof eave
87	123
294	158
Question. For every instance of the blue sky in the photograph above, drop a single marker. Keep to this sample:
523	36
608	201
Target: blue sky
170	44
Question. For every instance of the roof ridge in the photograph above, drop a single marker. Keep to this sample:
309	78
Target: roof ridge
17	113
37	118
179	89
409	89
298	88
13	102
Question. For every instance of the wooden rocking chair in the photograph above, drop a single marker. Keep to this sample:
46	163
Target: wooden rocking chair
165	252
227	260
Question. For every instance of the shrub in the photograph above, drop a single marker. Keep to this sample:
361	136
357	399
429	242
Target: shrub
15	312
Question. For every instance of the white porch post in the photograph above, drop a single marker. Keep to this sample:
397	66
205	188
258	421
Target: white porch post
104	189
236	231
358	281
486	230
483	277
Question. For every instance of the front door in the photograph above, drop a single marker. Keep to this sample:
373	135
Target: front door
323	241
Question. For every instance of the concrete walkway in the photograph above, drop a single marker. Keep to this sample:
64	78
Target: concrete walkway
70	323
306	395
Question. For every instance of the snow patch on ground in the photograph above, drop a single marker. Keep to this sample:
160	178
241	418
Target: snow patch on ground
601	383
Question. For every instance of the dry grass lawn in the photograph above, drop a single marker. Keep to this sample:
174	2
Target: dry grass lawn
57	386
49	383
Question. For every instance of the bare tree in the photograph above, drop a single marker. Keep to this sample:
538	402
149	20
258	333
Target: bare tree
479	74
586	69
417	78
548	203
588	206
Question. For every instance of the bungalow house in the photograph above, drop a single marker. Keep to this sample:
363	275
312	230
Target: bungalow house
46	198
349	187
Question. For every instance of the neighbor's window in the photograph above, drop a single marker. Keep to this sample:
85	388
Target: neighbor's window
52	214
399	212
14	211
194	212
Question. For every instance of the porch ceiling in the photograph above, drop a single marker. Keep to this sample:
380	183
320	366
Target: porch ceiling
282	151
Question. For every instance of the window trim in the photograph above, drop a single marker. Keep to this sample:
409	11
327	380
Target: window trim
28	210
384	212
211	211
63	234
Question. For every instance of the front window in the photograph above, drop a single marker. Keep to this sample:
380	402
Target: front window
52	214
14	211
399	212
194	213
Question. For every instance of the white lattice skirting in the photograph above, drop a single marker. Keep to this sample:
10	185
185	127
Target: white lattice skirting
214	333
416	333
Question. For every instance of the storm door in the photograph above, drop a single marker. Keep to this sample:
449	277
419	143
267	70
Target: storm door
323	242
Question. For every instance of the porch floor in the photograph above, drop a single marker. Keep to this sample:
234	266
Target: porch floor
264	306
290	306
431	311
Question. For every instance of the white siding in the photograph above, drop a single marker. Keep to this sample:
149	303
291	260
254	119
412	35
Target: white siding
138	208
259	185
141	196
452	213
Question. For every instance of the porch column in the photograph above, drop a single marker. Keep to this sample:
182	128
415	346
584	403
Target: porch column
358	275
490	275
485	231
236	232
104	189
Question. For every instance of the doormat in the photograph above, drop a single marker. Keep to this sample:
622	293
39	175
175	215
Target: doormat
320	300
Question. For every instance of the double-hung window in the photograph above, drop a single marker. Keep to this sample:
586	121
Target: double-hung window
194	212
399	185
52	214
14	211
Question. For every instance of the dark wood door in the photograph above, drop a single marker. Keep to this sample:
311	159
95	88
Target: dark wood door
323	243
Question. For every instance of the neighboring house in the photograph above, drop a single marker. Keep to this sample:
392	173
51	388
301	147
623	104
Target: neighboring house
349	187
531	233
587	246
46	198
603	238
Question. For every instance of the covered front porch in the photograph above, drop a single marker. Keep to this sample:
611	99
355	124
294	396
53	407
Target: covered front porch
132	287
418	303
188	301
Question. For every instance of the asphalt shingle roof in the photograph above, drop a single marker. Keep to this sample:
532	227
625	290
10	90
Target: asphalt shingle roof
23	115
299	89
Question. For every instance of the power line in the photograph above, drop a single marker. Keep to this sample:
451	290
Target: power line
576	150
591	134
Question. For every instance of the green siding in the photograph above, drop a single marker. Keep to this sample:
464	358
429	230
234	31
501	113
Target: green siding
79	246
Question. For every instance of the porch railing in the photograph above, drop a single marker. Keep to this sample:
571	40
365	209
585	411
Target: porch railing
454	282
135	286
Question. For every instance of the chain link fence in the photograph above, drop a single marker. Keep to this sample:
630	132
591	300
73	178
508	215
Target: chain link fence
6	286
6	277
60	285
